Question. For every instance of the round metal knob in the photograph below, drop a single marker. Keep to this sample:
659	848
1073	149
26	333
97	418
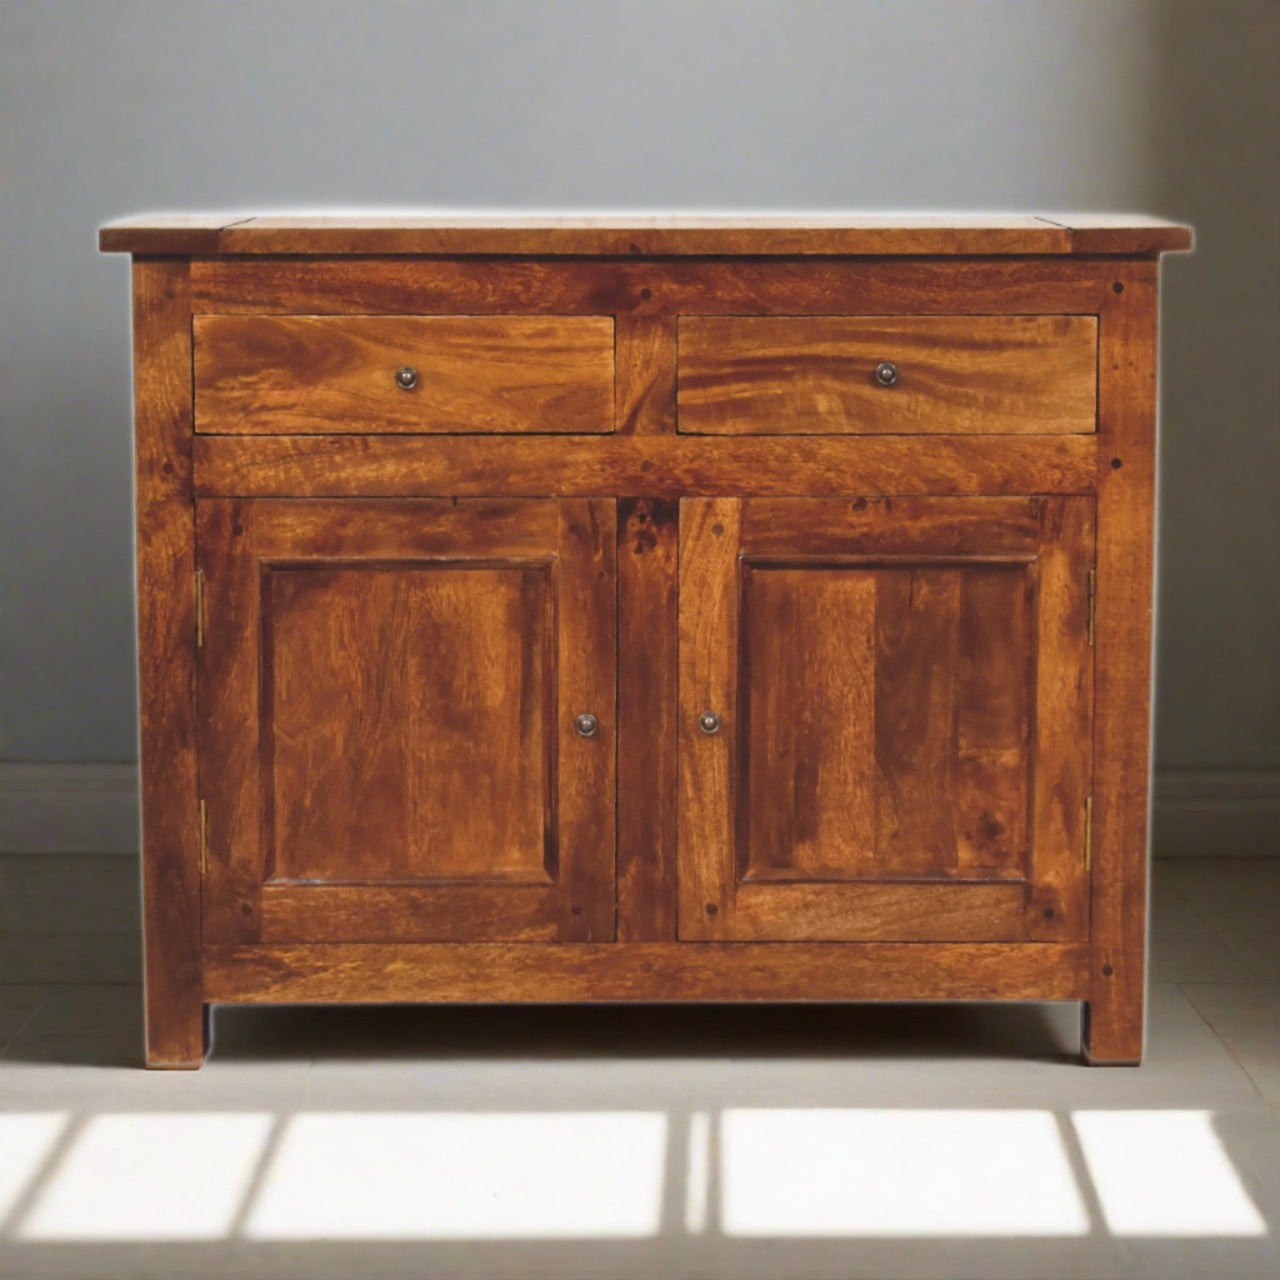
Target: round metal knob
709	722
586	724
406	377
886	373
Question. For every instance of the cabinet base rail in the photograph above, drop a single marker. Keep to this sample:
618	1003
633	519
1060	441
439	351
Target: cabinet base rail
369	973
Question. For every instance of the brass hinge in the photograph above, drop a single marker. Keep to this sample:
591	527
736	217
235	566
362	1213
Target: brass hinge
1088	833
199	608
1093	602
204	837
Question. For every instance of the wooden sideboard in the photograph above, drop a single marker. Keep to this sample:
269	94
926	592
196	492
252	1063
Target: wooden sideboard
644	610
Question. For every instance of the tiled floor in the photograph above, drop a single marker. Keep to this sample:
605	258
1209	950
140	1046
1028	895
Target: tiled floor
867	1141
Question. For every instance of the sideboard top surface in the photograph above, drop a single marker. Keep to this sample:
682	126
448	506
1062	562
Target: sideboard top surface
645	235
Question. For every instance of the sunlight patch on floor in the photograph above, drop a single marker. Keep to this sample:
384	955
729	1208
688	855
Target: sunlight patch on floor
151	1176
785	1173
26	1139
897	1173
1165	1173
571	1175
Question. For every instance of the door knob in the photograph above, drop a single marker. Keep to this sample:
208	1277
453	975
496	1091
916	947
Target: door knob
586	724
709	722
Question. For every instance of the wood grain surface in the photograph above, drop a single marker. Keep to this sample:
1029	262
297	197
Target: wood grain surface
886	672
411	724
1115	1020
651	971
645	472
816	375
388	696
272	375
634	234
647	622
174	1014
650	466
1062	757
652	290
885	723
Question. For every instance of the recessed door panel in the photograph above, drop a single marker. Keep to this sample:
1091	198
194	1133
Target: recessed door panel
807	737
408	726
886	722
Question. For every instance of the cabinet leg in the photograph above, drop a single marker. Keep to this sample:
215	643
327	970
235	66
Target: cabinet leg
177	1038
1112	1025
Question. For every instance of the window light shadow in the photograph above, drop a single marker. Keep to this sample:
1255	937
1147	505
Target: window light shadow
27	1139
464	1176
829	1172
150	1176
1165	1173
691	1182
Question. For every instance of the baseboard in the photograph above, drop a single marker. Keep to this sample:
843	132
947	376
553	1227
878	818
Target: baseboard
1216	813
93	808
68	808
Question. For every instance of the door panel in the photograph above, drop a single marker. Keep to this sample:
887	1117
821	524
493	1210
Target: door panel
387	696
905	690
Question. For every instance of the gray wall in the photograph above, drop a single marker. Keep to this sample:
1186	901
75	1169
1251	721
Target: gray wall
144	105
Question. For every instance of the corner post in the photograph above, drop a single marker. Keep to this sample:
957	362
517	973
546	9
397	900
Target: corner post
174	1007
1114	1016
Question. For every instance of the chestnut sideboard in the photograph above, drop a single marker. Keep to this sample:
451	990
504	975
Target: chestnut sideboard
644	610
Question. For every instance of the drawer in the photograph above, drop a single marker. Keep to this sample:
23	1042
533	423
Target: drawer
818	375
279	375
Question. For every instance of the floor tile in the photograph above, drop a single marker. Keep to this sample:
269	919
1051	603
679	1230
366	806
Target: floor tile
1213	1046
1207	1260
1234	895
98	1025
1246	1016
1259	953
711	1259
1246	1177
706	1057
1253	1143
17	1005
1188	958
1172	914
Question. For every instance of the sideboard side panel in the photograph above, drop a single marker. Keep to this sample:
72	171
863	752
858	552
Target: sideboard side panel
1114	1029
175	1024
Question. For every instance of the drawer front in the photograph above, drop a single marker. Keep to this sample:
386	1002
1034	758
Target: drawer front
279	375
886	375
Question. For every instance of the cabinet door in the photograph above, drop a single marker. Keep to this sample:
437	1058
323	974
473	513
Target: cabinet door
900	695
387	700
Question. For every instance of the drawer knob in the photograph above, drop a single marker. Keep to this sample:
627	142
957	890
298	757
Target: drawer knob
586	724
406	377
886	373
709	722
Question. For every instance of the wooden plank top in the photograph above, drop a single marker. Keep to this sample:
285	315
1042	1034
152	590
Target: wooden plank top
203	235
